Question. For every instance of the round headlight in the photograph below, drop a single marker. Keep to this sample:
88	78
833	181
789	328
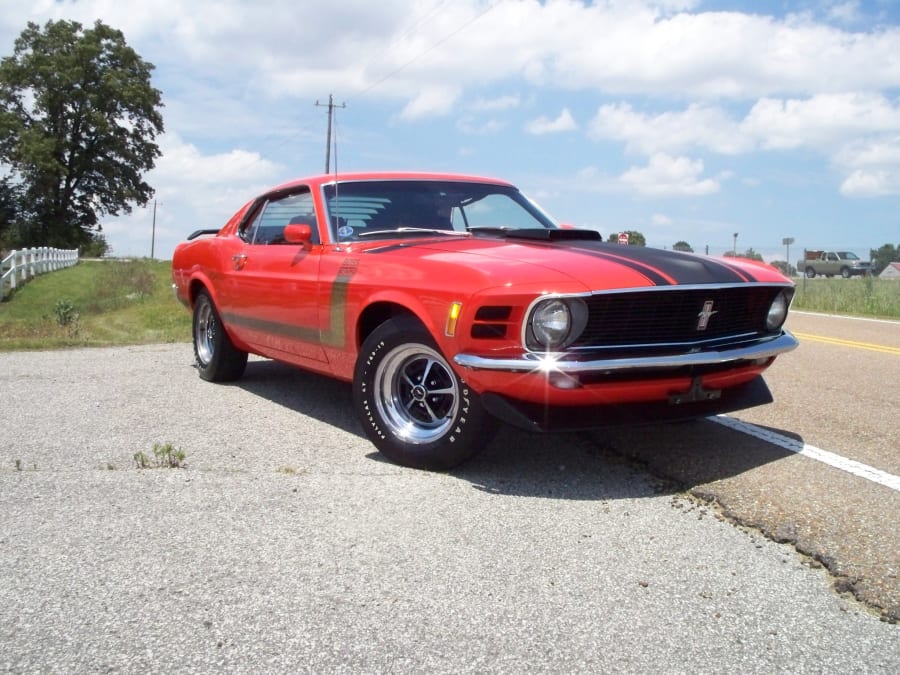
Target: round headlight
777	312
550	323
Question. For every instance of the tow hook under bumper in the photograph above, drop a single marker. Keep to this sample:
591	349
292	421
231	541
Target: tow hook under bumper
695	393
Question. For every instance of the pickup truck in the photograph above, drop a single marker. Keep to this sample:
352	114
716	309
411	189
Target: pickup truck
829	263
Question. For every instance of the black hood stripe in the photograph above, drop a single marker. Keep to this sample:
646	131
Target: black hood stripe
652	274
662	267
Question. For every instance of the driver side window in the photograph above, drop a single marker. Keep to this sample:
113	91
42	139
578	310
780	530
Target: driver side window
267	225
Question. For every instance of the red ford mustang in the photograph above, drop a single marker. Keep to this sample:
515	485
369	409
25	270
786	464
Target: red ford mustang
451	302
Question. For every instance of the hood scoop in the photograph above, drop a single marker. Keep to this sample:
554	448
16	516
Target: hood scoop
545	234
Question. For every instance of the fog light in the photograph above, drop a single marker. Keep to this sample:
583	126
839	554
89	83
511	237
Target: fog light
563	381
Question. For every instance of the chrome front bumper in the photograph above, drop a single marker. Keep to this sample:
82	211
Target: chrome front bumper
563	363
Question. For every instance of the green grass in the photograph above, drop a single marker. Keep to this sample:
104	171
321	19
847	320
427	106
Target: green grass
859	296
95	303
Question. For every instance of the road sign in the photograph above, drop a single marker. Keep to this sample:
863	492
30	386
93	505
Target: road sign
623	238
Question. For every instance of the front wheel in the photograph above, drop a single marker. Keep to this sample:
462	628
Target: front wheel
410	402
845	272
218	360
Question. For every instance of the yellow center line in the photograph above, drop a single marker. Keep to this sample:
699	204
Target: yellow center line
848	343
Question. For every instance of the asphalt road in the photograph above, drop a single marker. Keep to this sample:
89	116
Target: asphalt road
836	392
288	545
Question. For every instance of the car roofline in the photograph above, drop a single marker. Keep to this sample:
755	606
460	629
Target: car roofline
356	176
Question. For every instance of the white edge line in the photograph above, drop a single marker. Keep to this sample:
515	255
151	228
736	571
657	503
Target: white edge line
844	316
831	459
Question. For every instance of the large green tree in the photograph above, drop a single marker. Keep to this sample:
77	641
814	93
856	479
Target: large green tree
9	210
78	121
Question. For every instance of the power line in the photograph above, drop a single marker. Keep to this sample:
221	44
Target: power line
428	50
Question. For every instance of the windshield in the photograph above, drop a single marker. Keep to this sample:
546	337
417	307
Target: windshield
361	209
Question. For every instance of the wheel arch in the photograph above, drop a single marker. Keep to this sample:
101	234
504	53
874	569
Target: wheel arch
198	284
377	313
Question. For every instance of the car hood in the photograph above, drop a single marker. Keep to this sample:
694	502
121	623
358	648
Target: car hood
595	264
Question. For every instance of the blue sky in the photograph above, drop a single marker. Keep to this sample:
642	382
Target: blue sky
682	119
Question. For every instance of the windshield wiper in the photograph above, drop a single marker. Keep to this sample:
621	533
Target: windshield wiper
412	230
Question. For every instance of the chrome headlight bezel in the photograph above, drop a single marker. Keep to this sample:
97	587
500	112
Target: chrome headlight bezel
554	322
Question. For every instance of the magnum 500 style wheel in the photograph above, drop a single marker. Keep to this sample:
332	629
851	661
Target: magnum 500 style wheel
411	403
218	360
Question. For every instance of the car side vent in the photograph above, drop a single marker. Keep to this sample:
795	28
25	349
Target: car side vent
493	313
491	322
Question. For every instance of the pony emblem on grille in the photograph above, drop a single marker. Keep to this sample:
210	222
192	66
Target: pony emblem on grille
705	315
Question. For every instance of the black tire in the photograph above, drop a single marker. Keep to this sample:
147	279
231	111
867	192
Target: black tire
845	272
810	273
218	360
410	402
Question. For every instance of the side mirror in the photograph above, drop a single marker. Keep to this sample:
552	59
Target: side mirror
298	234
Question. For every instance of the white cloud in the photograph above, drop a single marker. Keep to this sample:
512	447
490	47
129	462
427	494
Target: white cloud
824	120
700	125
193	191
857	132
433	100
667	176
395	49
873	167
877	183
542	125
468	125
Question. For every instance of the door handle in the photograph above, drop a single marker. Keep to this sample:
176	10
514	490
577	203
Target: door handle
239	261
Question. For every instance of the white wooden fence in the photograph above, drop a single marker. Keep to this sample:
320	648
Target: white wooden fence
20	266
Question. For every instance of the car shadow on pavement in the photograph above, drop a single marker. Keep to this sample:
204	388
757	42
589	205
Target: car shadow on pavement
694	453
646	460
317	396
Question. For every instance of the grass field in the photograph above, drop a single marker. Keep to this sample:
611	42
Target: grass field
859	296
117	302
95	303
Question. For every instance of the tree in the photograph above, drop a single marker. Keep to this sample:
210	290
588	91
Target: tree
784	267
78	121
634	238
9	211
682	246
883	257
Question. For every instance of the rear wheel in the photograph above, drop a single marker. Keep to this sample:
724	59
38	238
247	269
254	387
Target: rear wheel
218	360
810	273
411	403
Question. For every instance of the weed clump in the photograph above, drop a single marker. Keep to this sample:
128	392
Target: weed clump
164	457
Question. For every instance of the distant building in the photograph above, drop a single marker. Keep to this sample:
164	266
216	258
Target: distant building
892	271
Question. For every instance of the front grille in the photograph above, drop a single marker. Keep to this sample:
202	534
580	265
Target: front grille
669	318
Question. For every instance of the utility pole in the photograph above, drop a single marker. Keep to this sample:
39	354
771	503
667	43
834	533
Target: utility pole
787	241
331	106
